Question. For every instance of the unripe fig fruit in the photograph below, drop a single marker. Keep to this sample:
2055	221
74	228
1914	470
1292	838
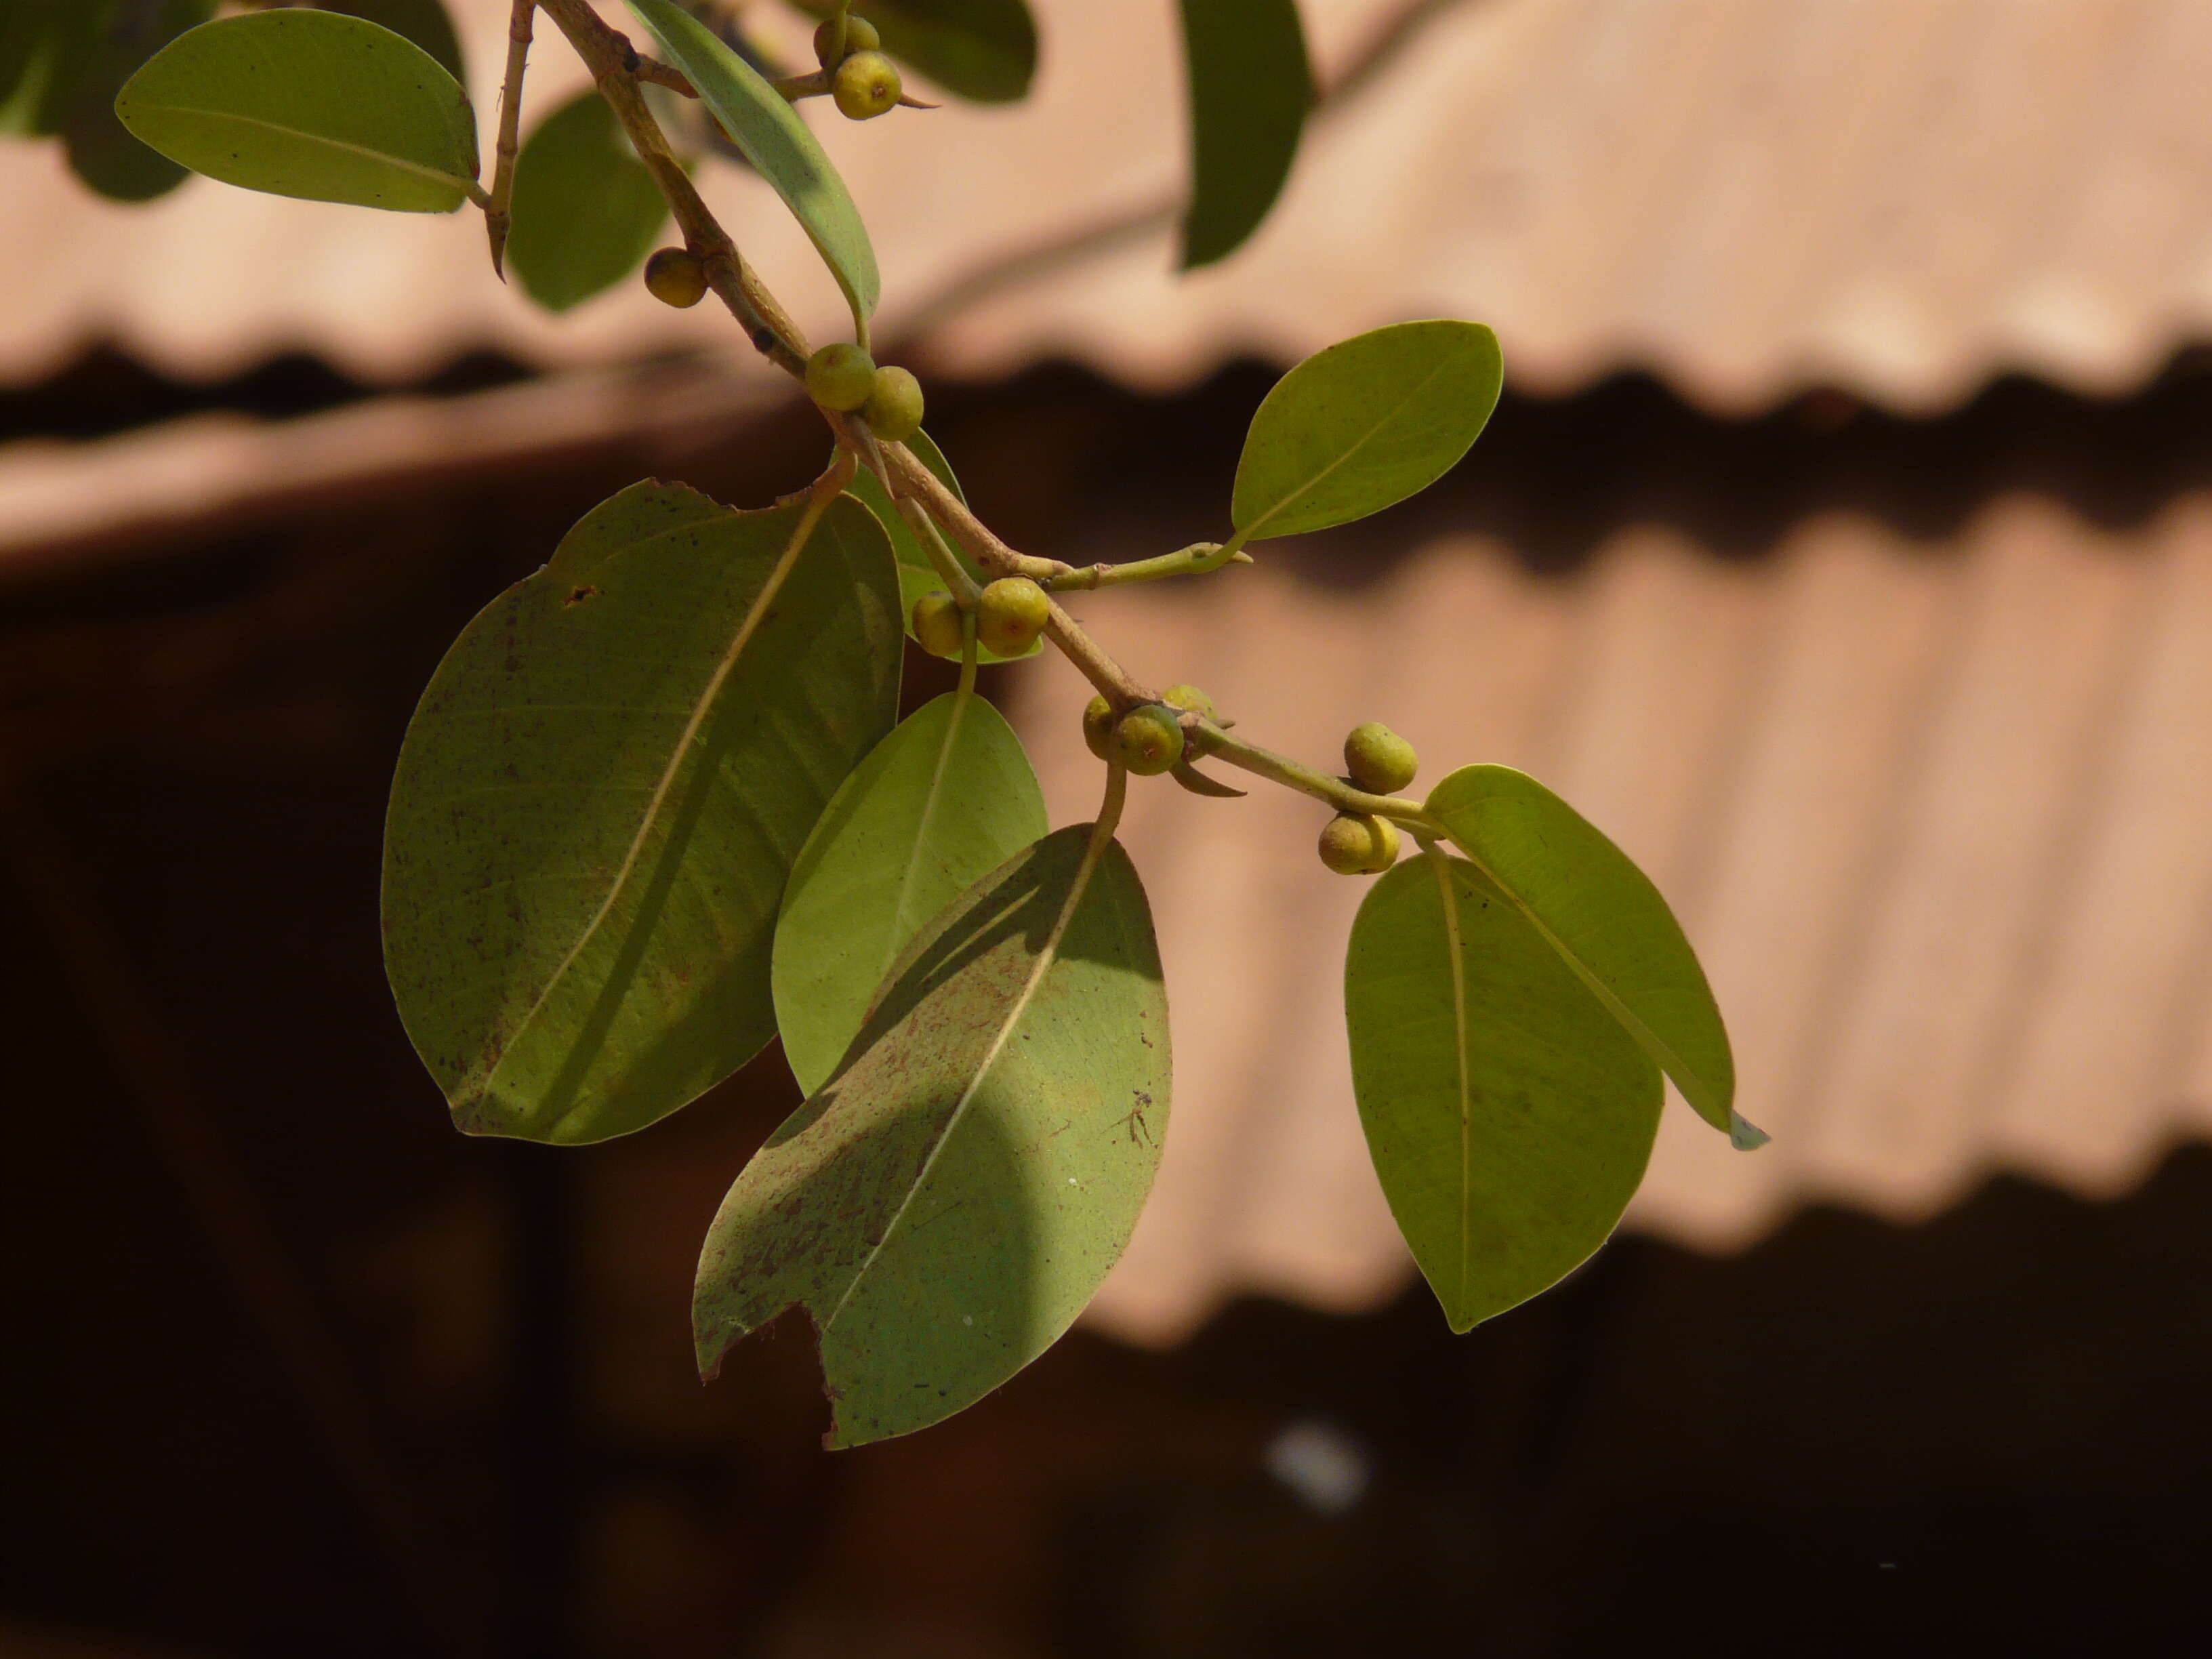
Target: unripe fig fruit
675	276
1354	844
866	85
1148	741
1010	613
1098	727
1190	699
840	376
937	626
893	408
859	36
1379	760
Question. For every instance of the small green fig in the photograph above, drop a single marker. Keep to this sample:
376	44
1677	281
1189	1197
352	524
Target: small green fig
1191	700
866	85
938	625
893	407
1098	727
1379	760
1354	844
675	276
1010	613
859	36
841	377
1148	741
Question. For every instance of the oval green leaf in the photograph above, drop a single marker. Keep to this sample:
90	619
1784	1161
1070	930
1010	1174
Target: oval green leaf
945	799
309	103
1251	87
778	144
603	792
945	1205
426	22
984	51
1605	920
80	104
585	211
1508	1117
1362	424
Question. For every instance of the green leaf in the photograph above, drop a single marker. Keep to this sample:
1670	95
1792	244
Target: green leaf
61	65
309	103
948	1202
585	211
778	144
602	794
937	805
423	22
917	575
1251	87
1362	424
1508	1117
1605	920
984	51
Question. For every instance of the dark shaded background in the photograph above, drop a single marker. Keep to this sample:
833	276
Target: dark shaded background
292	1367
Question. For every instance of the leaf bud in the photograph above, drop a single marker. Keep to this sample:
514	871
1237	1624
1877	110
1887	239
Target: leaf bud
1010	613
1379	760
1098	727
859	36
841	377
938	625
893	407
675	276
866	85
1148	741
1354	844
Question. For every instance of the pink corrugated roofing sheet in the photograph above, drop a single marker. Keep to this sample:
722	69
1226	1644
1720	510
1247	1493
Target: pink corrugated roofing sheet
1940	826
1899	196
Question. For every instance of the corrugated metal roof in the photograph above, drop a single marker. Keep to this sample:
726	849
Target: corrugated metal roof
1936	812
1899	196
1941	828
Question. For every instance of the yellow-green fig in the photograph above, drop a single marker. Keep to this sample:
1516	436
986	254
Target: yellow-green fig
841	377
893	408
1098	728
859	36
1148	741
938	627
1010	613
866	85
1379	760
675	276
1354	844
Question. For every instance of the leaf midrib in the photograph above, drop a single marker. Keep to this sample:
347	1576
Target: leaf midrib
1049	954
900	931
755	613
463	184
1465	1101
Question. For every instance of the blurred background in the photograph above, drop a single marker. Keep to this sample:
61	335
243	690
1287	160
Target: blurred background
1843	547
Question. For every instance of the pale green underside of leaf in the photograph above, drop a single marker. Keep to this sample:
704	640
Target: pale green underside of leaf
1251	87
585	211
984	51
1508	1117
308	104
936	806
779	145
1362	424
948	1202
603	792
1605	920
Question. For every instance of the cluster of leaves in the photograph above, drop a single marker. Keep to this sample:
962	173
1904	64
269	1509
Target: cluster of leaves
654	810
